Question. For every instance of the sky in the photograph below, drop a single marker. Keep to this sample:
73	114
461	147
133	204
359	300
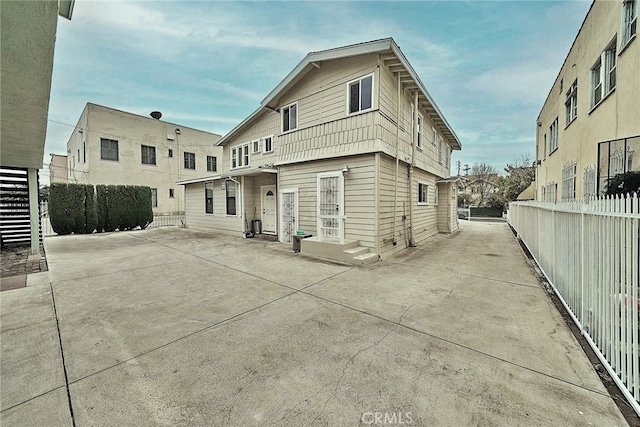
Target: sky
488	65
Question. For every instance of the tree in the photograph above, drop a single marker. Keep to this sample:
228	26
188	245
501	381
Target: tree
483	181
624	183
520	174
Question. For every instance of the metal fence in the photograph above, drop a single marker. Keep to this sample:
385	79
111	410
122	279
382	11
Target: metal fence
159	220
589	253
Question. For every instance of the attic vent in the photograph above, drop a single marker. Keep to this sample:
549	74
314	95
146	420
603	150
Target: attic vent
156	115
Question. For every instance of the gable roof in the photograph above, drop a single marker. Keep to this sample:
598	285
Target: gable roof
392	57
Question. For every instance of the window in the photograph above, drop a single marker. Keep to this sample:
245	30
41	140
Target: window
553	136
571	104
420	120
154	197
569	182
268	144
230	189
212	164
208	197
423	193
240	156
171	193
629	21
148	155
360	94
256	146
170	152
108	149
549	192
603	74
440	149
189	160
78	155
435	195
590	181
290	117
544	153
84	152
435	136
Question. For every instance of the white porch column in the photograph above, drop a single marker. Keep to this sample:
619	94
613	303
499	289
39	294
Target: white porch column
34	216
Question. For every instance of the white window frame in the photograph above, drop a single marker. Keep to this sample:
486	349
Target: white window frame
373	91
571	104
628	22
215	160
420	132
423	193
142	155
603	75
282	115
553	136
440	143
435	136
229	182
212	188
241	155
255	144
154	197
569	182
590	181
184	160
264	144
435	195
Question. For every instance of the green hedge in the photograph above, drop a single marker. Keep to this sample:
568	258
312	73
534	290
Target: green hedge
72	208
79	208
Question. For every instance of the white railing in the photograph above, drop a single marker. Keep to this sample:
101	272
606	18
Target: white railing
589	253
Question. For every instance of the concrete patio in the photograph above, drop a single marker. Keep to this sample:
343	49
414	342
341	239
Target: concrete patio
175	327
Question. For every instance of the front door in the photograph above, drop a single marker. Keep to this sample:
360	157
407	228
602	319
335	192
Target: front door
288	214
268	208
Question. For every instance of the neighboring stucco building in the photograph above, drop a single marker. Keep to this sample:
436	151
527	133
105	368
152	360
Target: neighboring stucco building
110	146
593	107
58	168
349	147
27	48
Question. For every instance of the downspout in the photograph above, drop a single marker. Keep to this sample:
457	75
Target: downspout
414	133
395	190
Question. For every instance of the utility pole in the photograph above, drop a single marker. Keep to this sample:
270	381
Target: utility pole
458	166
466	169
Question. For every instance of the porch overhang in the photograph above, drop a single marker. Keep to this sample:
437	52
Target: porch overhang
230	174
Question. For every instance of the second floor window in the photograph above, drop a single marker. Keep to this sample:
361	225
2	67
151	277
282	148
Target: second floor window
189	160
108	149
553	136
420	131
212	163
148	155
290	117
268	144
571	104
361	94
240	156
603	74
629	21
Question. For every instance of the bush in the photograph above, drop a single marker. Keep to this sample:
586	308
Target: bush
101	207
624	183
90	209
72	208
112	221
144	209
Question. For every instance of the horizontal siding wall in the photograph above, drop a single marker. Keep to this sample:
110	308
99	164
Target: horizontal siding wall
428	157
196	218
359	194
425	216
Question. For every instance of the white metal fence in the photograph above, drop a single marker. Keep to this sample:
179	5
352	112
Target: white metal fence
589	253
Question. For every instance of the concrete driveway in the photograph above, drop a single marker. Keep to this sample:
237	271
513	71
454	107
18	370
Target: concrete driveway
175	327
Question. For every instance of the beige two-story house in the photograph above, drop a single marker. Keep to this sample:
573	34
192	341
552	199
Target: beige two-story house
588	130
349	147
110	146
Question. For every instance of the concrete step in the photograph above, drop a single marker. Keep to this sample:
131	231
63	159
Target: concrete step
368	258
358	250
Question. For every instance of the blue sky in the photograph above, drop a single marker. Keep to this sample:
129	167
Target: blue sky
207	64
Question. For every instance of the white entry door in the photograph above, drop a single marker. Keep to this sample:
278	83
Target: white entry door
331	204
288	214
268	208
